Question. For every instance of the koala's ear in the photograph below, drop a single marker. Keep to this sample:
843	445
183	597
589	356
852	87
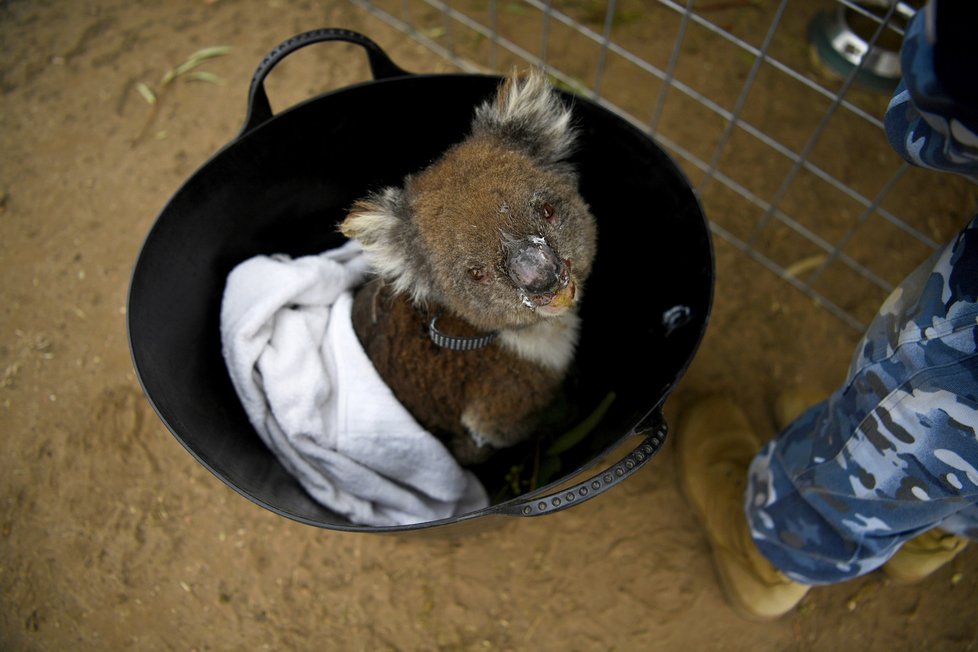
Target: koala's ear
528	113
382	224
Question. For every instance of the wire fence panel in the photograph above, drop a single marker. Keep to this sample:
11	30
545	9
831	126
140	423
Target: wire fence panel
773	108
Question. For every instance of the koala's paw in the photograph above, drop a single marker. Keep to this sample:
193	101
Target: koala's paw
469	449
489	431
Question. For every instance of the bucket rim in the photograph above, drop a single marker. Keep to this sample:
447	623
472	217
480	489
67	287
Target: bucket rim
514	506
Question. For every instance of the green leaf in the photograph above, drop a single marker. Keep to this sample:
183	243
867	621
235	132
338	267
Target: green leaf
146	92
574	436
204	76
549	467
195	60
209	53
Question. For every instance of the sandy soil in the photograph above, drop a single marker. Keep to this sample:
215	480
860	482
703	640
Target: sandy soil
112	537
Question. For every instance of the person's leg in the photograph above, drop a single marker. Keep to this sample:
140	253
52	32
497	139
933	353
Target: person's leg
889	456
916	558
894	452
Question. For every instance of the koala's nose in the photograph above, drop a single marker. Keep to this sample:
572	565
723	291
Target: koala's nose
535	267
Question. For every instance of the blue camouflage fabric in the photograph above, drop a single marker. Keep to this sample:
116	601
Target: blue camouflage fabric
926	122
894	451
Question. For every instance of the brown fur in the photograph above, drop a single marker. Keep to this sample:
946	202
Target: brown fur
458	187
495	235
437	385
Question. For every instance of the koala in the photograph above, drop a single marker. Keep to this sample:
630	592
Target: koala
480	261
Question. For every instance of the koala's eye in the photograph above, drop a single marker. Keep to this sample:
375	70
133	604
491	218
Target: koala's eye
549	212
478	274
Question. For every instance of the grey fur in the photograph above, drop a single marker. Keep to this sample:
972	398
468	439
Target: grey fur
532	117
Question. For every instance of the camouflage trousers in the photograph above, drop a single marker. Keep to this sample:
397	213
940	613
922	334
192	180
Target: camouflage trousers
894	451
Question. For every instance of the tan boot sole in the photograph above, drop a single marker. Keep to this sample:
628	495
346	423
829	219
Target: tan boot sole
768	601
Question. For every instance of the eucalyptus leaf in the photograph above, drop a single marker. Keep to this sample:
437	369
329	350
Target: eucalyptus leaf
195	60
574	436
204	76
549	467
146	92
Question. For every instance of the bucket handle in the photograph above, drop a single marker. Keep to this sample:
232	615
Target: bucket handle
599	482
259	108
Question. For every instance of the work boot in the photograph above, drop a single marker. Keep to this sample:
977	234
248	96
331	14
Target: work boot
922	555
715	445
792	403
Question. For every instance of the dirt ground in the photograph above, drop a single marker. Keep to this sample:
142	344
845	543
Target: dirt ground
112	537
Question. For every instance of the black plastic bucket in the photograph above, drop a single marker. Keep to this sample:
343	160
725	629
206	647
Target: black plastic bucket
284	183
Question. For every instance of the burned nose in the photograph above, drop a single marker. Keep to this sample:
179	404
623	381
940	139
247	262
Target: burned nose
534	266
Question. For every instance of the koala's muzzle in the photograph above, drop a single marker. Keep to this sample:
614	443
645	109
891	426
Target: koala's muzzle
538	271
534	266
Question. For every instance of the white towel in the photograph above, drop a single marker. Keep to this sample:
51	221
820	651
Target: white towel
314	397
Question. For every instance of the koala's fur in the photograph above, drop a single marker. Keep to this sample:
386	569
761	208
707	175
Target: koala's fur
495	236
